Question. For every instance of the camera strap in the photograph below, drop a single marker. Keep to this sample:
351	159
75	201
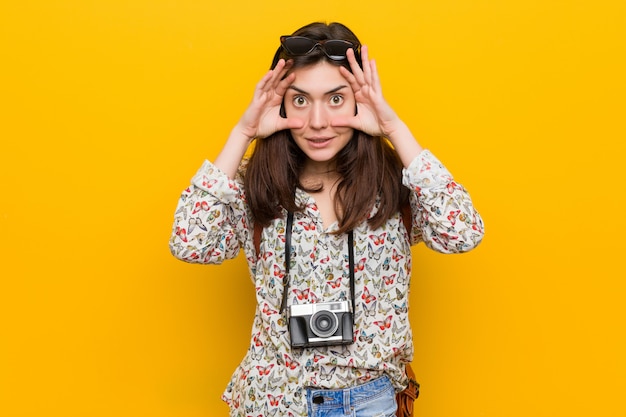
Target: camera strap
288	232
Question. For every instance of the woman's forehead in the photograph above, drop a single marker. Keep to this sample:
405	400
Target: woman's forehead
318	78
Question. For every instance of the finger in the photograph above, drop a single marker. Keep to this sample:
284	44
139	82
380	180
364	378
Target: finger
346	121
294	123
284	84
350	78
375	79
262	84
289	123
284	69
367	71
354	66
276	74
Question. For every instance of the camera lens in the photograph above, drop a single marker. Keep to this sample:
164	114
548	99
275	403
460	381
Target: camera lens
324	323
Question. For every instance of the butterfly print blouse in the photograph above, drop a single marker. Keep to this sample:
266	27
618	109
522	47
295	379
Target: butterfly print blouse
212	224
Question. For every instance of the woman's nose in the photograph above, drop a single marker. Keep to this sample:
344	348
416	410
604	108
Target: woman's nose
318	117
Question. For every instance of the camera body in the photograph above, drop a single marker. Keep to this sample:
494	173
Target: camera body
321	324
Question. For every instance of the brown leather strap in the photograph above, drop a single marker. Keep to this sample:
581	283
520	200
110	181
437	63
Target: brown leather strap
406	397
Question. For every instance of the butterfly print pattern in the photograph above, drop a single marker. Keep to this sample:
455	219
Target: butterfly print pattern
212	224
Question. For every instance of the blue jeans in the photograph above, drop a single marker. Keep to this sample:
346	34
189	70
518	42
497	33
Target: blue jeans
376	398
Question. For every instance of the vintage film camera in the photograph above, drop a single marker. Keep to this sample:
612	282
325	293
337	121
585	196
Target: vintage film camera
321	324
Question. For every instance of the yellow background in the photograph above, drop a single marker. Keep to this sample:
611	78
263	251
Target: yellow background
109	106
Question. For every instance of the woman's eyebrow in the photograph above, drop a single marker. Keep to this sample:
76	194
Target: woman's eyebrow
301	91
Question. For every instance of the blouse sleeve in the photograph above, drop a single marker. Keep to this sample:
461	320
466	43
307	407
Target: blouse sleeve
210	222
444	217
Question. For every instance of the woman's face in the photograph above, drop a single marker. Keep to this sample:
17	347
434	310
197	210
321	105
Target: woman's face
318	94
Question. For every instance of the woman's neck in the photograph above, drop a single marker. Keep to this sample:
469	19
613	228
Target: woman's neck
320	169
316	174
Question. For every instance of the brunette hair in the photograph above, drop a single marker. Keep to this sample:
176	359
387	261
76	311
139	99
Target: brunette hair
370	170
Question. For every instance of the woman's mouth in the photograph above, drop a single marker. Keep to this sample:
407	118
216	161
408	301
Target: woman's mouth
319	140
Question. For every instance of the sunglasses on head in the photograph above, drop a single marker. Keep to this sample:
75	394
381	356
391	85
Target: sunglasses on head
334	49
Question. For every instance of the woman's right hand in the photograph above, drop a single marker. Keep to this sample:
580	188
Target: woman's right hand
262	117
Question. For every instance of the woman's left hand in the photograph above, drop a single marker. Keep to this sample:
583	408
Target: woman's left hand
374	115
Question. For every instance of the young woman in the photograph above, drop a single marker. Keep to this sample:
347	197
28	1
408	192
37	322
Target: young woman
326	209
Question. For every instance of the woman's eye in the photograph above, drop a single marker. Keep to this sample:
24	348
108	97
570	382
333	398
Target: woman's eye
336	100
299	101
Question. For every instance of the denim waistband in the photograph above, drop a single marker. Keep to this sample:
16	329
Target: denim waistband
348	397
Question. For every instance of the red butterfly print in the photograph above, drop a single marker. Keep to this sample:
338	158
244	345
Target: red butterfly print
396	256
451	186
389	280
386	324
209	184
291	364
307	225
477	228
367	296
453	215
360	265
447	238
265	370
278	272
378	240
317	357
304	294
336	283
200	205
274	400
182	233
267	310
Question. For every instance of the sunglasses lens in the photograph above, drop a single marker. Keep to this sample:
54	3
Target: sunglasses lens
336	49
298	45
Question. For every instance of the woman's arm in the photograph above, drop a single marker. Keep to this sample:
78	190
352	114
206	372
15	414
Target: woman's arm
210	222
444	217
211	219
443	214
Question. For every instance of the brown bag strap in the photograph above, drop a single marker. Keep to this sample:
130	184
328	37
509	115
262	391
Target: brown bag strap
406	397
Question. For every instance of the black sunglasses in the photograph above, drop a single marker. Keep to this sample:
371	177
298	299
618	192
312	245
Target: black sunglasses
334	49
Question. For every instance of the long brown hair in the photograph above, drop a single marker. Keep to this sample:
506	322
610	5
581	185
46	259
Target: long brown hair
369	168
